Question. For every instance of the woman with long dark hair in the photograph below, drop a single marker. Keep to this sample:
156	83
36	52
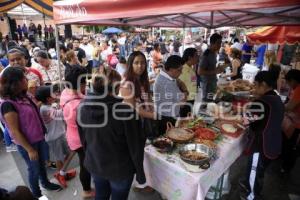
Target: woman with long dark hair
21	117
135	90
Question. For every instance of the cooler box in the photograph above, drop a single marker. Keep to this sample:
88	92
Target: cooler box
249	72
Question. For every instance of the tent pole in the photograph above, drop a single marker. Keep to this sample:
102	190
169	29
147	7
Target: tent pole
44	17
8	26
58	52
211	19
160	31
152	30
183	40
23	16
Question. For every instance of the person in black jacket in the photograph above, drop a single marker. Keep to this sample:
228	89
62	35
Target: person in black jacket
264	144
112	138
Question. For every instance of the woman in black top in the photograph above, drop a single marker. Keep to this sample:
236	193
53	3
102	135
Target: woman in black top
71	61
236	65
112	139
265	116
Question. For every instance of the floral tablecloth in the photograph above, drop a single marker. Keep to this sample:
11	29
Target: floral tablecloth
167	174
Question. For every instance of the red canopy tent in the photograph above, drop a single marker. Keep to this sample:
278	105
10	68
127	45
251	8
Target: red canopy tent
179	13
276	34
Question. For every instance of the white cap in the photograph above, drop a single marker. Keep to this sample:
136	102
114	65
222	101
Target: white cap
36	49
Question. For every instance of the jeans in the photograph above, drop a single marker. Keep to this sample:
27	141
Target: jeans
7	138
209	87
84	174
261	167
96	63
36	168
122	51
129	49
118	190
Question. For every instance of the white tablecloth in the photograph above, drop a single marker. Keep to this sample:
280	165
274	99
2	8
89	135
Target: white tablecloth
166	173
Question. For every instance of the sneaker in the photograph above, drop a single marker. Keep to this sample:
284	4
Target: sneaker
145	190
11	148
70	174
61	179
52	186
43	198
52	165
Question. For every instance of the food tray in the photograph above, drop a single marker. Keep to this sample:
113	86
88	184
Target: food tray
200	148
174	134
235	124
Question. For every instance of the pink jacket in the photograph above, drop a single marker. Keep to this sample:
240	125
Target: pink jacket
69	103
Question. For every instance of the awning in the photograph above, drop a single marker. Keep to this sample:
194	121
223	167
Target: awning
276	34
179	13
42	6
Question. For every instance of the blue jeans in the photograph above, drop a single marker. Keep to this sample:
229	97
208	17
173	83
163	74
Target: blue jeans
118	190
209	87
36	168
95	63
122	51
7	138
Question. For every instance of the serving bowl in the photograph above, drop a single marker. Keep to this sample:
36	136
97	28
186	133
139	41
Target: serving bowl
198	148
163	144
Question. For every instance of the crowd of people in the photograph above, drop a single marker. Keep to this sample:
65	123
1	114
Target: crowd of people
100	99
34	31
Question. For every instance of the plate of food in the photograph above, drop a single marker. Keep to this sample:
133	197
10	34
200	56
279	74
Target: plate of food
179	135
163	144
231	128
237	87
219	109
196	154
198	122
206	134
241	86
209	143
